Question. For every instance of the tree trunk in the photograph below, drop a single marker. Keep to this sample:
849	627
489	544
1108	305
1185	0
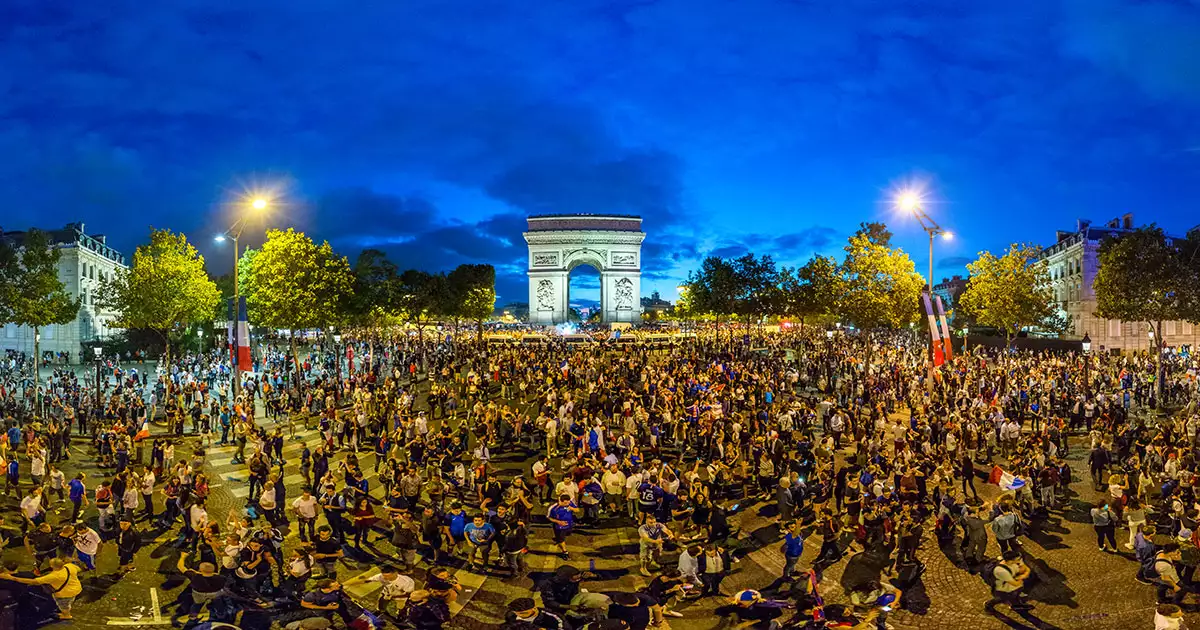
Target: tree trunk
479	328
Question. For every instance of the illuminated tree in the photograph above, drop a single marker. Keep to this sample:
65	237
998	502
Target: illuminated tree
879	288
31	293
165	289
1144	276
294	283
473	290
1011	292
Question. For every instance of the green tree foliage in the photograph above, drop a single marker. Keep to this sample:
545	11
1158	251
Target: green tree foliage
375	299
712	290
879	288
810	291
296	284
423	296
30	292
473	290
758	292
1011	292
1144	276
166	289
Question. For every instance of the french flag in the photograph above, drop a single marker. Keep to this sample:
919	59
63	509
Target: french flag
239	335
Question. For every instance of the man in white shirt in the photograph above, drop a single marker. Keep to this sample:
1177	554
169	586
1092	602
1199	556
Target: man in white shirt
147	487
305	507
87	544
613	483
396	588
31	508
632	483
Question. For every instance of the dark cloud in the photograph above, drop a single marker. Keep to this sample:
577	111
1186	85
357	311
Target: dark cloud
717	122
955	263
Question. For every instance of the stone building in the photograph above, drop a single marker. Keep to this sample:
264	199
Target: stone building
949	289
1073	261
85	262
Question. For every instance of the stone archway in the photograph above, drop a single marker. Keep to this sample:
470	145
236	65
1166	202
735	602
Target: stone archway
560	242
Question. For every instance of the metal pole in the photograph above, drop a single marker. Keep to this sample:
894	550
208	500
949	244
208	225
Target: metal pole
931	264
97	382
237	313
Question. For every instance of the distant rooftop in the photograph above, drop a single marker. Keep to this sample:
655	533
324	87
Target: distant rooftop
72	235
566	222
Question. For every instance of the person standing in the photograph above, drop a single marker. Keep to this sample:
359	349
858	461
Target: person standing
128	541
87	544
793	548
1104	522
147	487
562	516
480	534
305	507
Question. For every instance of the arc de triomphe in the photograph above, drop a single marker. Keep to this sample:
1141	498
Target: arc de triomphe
560	242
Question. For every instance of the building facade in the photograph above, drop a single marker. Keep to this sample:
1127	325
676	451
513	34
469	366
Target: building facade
949	289
1072	264
84	263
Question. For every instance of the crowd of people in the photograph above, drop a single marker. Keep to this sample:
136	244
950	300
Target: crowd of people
438	454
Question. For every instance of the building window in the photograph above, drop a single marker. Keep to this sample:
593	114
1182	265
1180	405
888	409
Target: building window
1187	329
1169	329
1114	328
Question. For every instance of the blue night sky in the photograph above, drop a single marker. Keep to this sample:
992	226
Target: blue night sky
431	128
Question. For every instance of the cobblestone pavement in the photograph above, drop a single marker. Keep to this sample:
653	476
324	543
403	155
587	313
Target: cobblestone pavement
1079	586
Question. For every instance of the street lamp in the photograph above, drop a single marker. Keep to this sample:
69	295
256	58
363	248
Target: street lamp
37	374
98	351
337	361
259	204
910	201
1087	365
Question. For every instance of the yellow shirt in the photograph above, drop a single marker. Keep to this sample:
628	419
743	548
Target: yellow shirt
69	573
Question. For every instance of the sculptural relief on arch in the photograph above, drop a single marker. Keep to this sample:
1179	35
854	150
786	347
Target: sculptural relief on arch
558	243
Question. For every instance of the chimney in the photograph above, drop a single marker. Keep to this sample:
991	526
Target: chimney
1083	224
1114	223
102	238
1127	220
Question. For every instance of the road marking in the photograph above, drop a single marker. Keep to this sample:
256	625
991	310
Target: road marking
156	621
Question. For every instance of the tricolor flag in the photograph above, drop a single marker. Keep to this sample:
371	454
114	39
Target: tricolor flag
142	433
948	346
934	336
239	335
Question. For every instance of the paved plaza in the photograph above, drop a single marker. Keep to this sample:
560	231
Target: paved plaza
1077	586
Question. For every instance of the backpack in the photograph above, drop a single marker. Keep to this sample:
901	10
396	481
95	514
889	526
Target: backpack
988	572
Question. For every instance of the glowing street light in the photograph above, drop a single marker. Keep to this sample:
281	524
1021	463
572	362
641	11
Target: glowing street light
909	200
258	203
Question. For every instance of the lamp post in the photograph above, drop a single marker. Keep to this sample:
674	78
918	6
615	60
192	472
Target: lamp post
1087	365
98	351
37	374
910	201
258	204
337	361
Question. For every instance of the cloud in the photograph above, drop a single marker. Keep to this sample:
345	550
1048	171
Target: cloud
953	262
